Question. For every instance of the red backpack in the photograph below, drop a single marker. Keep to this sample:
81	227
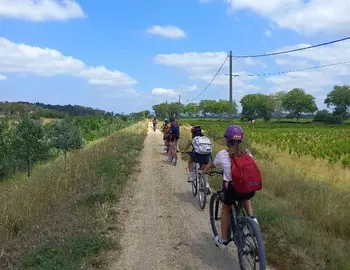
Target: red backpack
246	176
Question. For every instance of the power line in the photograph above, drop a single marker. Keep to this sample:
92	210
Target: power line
210	81
293	50
222	86
296	70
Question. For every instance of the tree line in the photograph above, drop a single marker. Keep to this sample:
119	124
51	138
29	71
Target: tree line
38	110
291	104
204	107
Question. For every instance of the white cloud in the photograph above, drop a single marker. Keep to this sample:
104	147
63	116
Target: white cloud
41	10
21	58
307	17
172	32
199	66
317	82
124	93
164	92
3	77
203	66
268	33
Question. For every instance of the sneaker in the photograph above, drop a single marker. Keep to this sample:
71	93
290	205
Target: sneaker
220	243
255	219
190	177
208	189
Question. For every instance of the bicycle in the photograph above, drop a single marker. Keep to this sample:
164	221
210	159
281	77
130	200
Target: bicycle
240	228
173	158
199	184
154	127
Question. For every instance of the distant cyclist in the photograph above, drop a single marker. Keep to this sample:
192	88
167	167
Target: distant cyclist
174	133
154	123
166	132
197	156
164	124
233	136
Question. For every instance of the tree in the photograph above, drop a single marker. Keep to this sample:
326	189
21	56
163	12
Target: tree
161	110
276	103
321	116
66	136
255	106
5	149
297	102
207	107
147	113
30	144
192	109
175	109
339	98
223	107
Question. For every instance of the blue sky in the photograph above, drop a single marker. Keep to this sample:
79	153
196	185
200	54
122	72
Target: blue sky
125	56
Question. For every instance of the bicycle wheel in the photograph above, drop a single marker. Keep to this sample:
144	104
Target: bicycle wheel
194	182
250	244
215	206
175	159
202	187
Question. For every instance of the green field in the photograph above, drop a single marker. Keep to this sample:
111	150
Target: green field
331	142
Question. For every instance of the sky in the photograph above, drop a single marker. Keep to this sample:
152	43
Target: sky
125	56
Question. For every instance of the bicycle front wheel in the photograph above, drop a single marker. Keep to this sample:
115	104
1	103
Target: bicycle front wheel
215	215
215	207
251	251
202	194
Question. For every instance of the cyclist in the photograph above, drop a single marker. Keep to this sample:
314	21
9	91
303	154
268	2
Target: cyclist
202	159
154	122
233	136
164	124
165	130
174	135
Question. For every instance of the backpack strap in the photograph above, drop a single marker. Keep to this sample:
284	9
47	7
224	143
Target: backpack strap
240	171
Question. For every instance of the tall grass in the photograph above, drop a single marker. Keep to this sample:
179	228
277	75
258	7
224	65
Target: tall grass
57	215
305	220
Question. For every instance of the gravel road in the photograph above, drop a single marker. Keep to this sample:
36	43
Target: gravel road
164	228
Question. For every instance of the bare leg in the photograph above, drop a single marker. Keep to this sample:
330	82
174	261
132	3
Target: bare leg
224	222
247	205
190	165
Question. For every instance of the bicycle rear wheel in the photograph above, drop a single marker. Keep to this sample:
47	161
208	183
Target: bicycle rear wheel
202	187
250	243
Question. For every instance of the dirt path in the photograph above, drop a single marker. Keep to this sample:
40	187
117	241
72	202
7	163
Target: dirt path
164	226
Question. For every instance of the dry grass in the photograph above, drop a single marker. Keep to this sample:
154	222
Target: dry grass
303	209
60	207
318	169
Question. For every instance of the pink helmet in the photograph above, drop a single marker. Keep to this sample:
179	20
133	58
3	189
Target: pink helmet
233	133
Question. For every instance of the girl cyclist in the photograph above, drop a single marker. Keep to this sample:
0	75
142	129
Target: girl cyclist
233	137
195	157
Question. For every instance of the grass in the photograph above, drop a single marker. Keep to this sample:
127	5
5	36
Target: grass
60	217
303	209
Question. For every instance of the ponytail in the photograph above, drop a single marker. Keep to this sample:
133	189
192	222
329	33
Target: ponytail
235	149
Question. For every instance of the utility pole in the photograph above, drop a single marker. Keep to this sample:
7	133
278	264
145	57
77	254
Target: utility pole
231	104
179	99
